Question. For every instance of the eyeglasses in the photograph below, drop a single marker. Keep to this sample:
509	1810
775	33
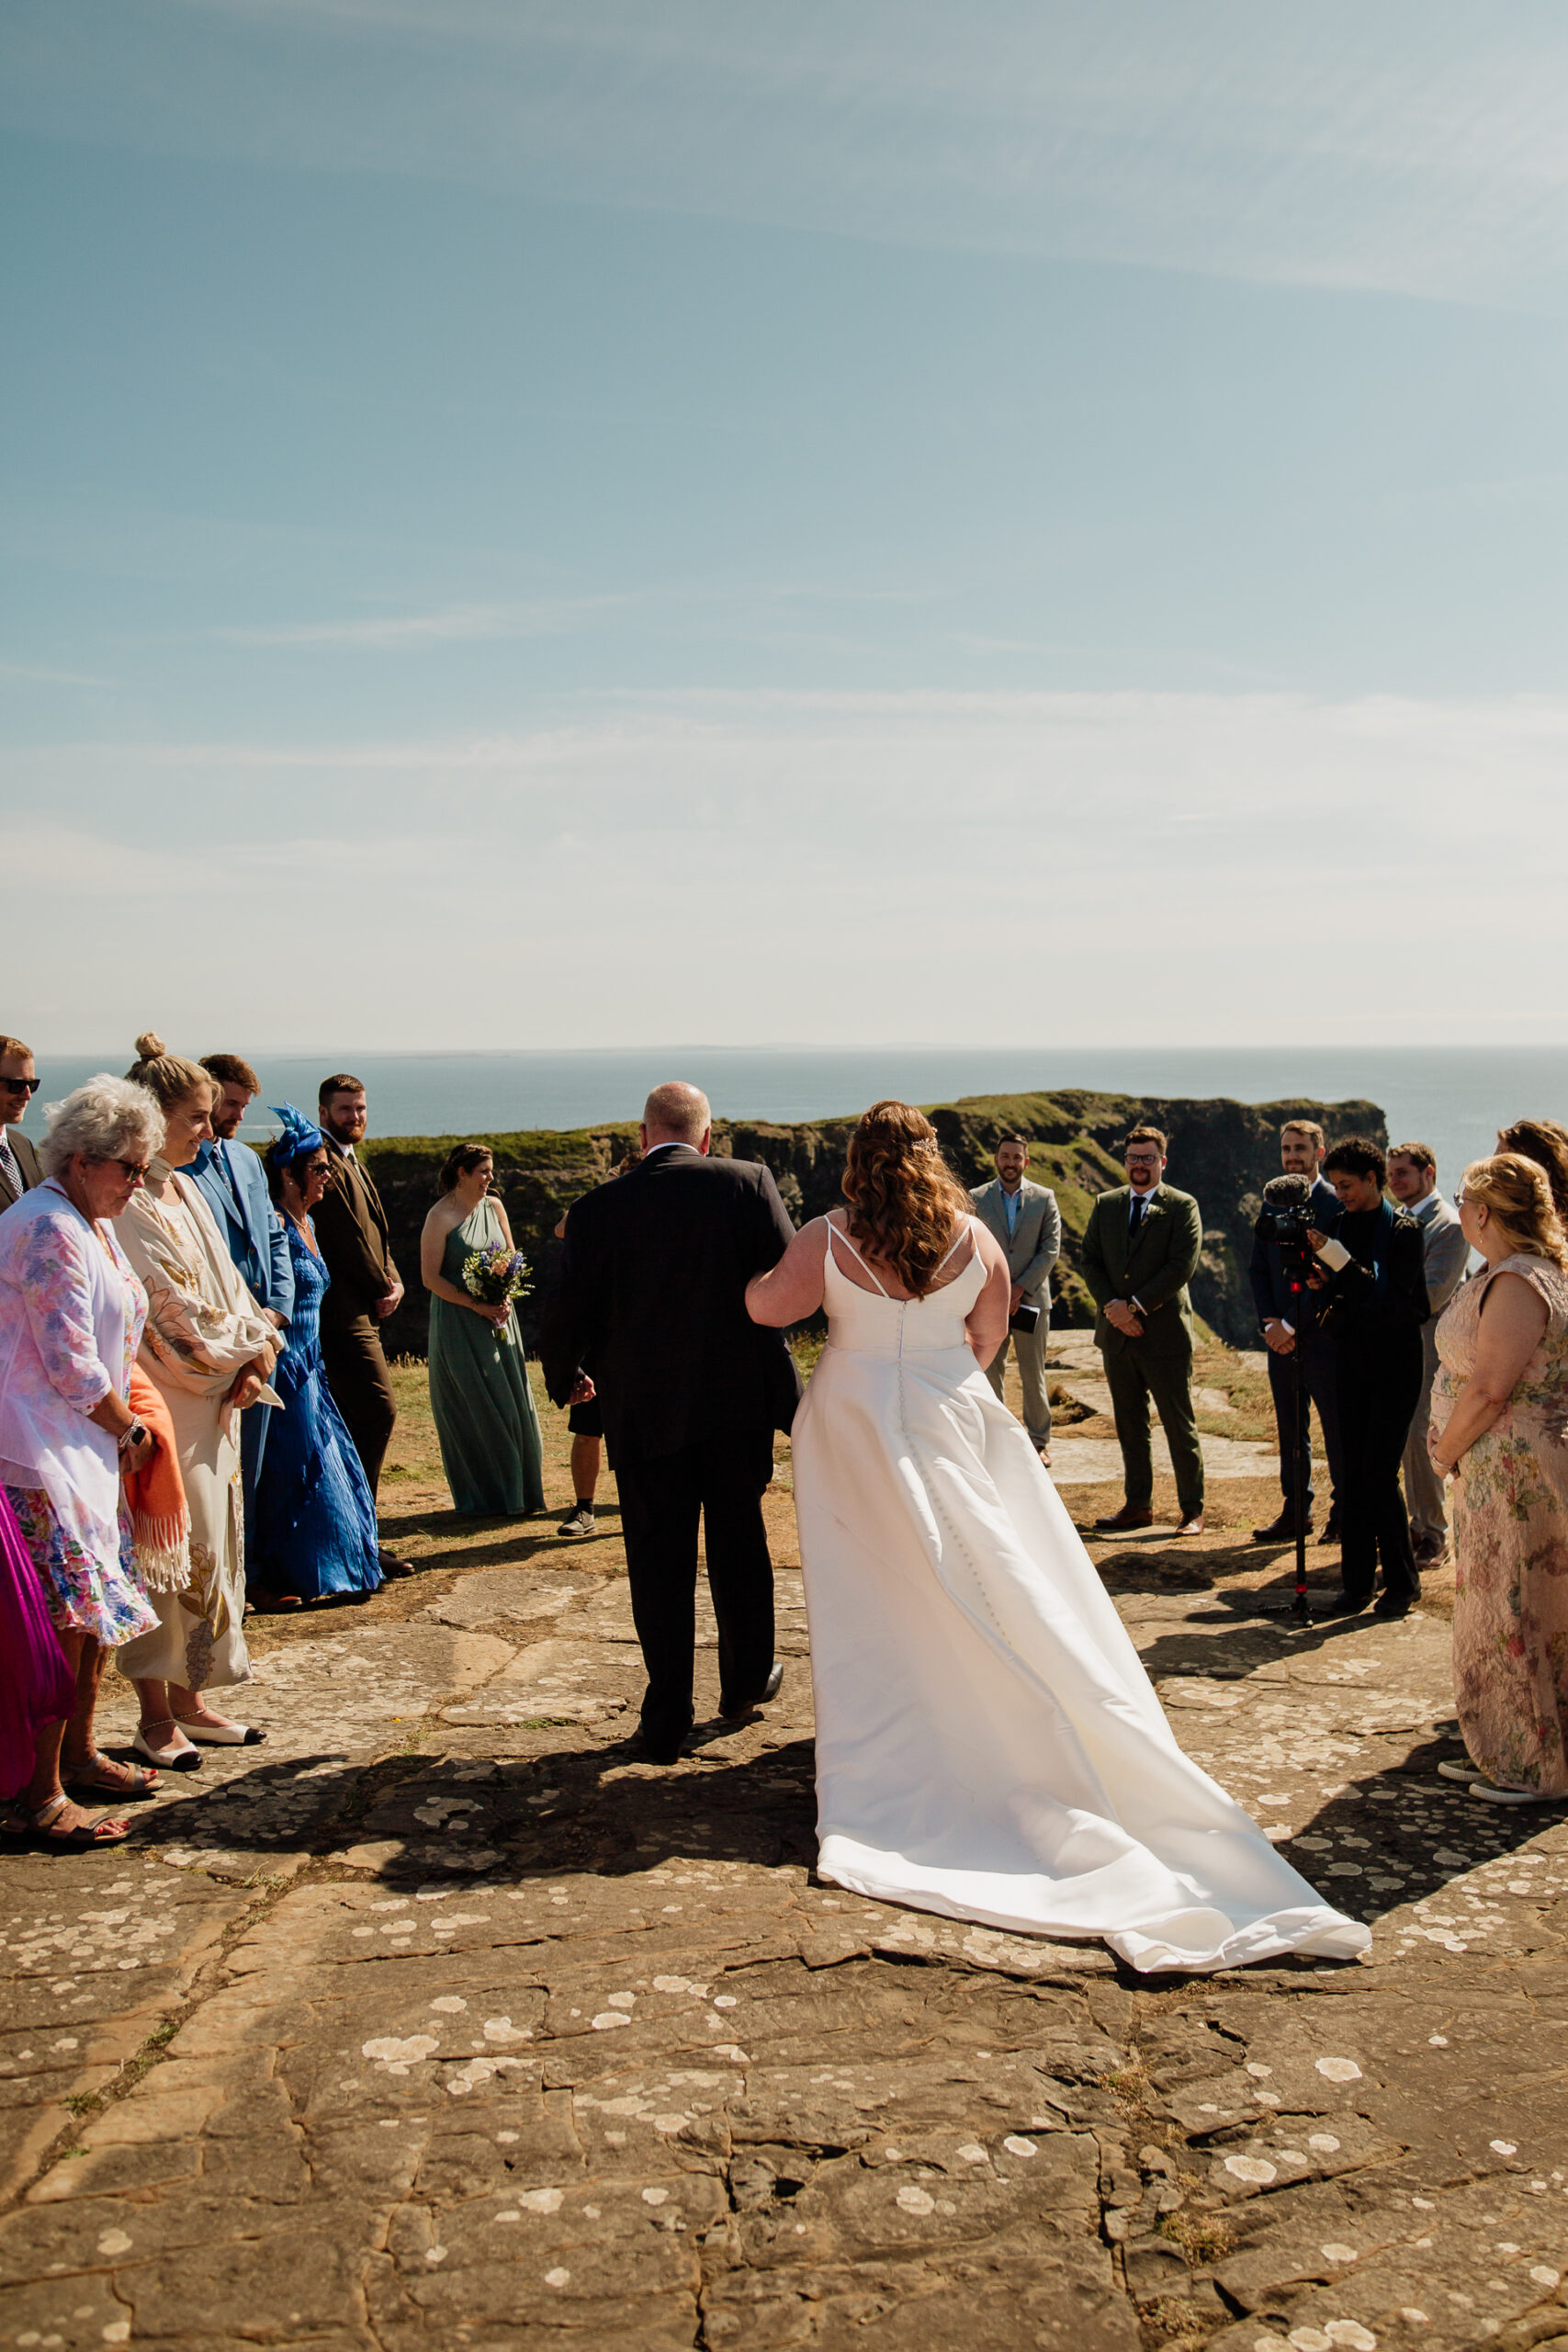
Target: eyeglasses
135	1168
22	1085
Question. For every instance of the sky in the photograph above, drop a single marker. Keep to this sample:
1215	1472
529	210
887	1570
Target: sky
584	524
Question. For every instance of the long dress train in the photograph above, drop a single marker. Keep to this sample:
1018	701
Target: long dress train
987	1743
315	1523
485	1419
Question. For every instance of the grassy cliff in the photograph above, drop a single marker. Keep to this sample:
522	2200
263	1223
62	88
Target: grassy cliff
1223	1152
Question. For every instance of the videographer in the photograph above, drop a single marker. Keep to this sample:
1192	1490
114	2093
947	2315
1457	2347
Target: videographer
1289	1319
1372	1270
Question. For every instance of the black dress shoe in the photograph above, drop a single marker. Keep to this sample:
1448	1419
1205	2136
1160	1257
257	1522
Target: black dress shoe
1330	1529
1278	1531
728	1707
1393	1604
1344	1604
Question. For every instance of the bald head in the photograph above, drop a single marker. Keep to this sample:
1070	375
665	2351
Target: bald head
676	1113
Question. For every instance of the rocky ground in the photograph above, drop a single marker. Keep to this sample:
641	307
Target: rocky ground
436	2021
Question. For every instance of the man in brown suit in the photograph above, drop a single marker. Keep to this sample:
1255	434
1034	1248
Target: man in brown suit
19	1168
351	1229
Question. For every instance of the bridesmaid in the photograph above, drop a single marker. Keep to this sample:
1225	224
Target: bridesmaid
485	1417
315	1522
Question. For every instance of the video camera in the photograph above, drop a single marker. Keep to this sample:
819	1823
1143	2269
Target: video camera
1287	1216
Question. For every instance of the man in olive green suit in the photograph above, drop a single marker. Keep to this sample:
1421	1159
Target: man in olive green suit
1140	1251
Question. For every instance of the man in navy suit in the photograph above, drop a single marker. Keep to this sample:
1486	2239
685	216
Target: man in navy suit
1289	1323
233	1184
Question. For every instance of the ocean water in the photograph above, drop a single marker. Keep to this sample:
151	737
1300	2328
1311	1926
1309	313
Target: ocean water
1452	1098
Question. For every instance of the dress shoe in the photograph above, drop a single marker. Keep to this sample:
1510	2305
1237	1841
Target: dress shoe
1128	1516
1344	1604
1429	1551
1278	1531
1193	1526
1393	1604
728	1708
1330	1529
1045	1454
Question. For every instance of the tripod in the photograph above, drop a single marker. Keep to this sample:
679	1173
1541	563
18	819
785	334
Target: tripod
1301	1615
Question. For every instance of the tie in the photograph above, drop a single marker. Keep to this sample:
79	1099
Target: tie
1140	1203
8	1167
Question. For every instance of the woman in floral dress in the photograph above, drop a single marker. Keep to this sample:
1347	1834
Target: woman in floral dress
70	1319
1500	1427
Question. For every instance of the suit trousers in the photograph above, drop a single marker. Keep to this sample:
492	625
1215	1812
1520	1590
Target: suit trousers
1318	1371
362	1389
1135	1375
720	1481
1378	1388
1423	1487
1029	1347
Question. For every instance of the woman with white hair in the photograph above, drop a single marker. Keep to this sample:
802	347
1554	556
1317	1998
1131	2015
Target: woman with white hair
210	1350
70	1319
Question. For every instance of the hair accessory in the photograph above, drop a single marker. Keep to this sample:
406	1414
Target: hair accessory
298	1135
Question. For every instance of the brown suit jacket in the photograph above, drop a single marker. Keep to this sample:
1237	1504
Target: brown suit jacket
27	1161
351	1228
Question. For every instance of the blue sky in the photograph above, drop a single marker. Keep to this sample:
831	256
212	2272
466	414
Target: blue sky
592	524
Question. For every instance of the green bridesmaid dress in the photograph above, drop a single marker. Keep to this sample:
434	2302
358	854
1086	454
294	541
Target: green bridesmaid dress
485	1417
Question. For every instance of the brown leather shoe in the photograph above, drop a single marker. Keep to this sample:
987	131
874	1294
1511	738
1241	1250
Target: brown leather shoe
1128	1516
1193	1526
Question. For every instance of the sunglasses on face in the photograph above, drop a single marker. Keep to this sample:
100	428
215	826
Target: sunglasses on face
135	1168
22	1085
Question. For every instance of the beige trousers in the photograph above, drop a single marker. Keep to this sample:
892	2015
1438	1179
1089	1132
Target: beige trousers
1423	1487
1030	1348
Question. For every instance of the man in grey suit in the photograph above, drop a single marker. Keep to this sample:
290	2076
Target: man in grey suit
1140	1251
1026	1221
1413	1180
19	1168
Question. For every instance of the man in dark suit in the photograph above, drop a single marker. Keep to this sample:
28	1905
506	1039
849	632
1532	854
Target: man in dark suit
1289	1323
230	1179
19	1168
1140	1251
351	1229
652	1293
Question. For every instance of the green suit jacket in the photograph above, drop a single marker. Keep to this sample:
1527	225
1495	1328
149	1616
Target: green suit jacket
1157	1269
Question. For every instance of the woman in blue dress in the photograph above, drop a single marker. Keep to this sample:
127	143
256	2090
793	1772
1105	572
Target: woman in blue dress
315	1521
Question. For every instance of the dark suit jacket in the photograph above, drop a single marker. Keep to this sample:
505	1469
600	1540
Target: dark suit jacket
27	1161
351	1227
1378	1303
1156	1269
652	1300
1271	1293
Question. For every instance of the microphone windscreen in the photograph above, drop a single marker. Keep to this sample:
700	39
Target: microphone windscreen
1287	1192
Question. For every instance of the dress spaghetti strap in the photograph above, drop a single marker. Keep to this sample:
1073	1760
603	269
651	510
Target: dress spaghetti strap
833	1234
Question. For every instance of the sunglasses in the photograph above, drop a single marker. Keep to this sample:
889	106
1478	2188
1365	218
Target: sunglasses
135	1168
22	1085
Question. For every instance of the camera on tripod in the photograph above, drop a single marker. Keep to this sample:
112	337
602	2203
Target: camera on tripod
1287	1220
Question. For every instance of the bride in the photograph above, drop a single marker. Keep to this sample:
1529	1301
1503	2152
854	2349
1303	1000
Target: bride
987	1743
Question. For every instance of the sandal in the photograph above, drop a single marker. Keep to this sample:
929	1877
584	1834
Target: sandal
101	1776
272	1604
81	1835
16	1821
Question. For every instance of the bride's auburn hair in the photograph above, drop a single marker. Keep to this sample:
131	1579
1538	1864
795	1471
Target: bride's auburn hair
905	1202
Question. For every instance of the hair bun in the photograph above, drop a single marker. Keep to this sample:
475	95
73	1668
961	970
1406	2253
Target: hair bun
150	1047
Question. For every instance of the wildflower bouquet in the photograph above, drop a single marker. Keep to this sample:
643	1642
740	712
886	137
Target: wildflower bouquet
496	1275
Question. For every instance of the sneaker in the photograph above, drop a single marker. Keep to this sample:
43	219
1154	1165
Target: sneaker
579	1520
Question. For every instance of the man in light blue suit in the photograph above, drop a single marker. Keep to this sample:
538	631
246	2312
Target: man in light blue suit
233	1184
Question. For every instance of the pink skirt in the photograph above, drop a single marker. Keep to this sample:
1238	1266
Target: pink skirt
37	1686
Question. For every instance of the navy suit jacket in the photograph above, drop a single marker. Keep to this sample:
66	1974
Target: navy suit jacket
1270	1288
233	1184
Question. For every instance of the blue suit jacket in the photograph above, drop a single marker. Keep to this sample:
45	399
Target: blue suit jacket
233	1184
1270	1291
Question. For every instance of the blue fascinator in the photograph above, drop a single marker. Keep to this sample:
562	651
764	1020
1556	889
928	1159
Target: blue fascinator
298	1135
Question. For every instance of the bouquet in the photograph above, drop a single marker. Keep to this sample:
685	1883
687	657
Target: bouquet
496	1275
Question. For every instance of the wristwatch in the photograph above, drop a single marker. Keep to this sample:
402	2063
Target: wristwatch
133	1436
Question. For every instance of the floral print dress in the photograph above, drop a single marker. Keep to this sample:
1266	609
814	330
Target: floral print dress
72	1313
1510	1540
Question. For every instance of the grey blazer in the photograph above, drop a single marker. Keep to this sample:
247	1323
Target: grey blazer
1447	1250
1036	1240
27	1160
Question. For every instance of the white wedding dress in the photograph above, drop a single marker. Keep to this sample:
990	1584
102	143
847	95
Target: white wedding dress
987	1743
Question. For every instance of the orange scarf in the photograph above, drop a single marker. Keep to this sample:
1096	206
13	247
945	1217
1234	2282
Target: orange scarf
159	1516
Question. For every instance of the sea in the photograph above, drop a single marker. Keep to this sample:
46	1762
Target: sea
1453	1098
